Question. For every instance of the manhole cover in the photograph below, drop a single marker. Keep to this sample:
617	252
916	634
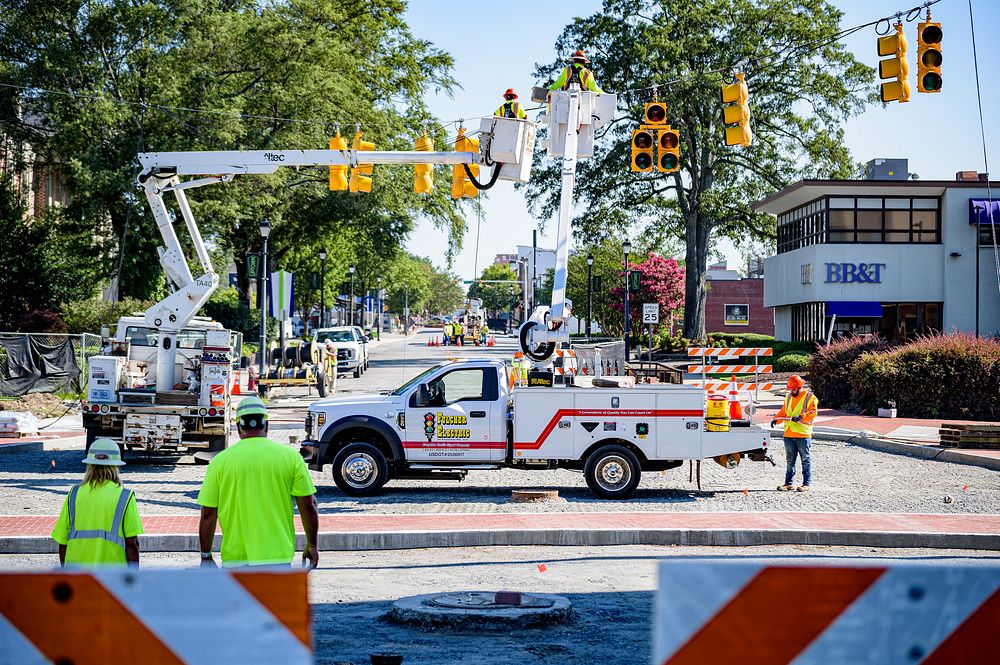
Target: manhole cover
487	600
486	609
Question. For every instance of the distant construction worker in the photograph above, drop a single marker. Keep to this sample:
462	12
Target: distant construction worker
99	522
798	412
576	73
249	489
510	108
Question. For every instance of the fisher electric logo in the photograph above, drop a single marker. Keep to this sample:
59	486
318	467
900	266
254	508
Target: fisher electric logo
854	273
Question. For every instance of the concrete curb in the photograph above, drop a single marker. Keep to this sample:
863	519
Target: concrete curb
21	447
401	540
954	455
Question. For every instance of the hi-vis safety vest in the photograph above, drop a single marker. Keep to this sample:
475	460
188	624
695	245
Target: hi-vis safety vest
511	109
579	75
797	430
112	535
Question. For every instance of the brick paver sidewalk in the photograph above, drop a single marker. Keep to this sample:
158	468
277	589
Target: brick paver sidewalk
34	525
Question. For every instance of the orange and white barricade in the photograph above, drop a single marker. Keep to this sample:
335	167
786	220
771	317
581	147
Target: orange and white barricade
718	612
569	365
124	615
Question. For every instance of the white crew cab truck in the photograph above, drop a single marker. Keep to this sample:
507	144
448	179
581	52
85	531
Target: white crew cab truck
350	346
461	415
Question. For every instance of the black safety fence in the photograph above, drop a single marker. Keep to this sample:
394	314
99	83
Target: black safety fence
44	363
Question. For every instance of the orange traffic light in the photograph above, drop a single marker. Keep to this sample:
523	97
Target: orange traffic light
894	67
338	174
736	113
461	185
669	154
929	56
642	150
423	174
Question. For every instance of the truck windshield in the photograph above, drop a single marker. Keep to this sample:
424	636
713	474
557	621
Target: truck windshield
335	336
419	378
186	339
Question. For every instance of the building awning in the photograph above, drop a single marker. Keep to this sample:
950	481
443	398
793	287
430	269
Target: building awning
984	211
848	308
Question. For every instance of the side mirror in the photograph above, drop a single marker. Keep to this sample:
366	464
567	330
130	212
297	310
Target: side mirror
422	397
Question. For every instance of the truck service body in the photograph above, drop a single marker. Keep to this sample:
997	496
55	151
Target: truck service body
462	415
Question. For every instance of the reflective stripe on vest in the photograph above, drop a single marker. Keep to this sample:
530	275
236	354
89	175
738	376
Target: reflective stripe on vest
511	108
113	535
799	428
574	75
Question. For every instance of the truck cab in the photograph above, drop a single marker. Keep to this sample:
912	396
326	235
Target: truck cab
462	415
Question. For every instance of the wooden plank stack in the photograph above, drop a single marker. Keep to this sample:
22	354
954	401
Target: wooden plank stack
970	436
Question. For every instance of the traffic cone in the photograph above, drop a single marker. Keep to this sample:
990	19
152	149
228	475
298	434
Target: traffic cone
430	341
236	384
735	408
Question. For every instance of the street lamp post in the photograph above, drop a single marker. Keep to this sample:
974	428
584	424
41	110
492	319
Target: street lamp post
510	310
351	270
378	309
265	231
322	288
627	247
406	310
590	290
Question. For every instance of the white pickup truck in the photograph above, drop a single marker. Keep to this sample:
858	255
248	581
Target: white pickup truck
461	415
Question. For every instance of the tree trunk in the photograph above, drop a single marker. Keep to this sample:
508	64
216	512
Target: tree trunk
695	267
242	278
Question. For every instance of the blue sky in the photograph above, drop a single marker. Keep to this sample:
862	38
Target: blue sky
496	45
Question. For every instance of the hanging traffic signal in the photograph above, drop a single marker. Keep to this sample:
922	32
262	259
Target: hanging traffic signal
338	174
642	150
894	66
423	174
929	56
361	177
670	145
656	113
736	113
461	185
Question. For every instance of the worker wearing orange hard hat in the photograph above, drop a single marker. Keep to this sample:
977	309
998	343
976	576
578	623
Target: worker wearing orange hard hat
576	73
798	412
511	108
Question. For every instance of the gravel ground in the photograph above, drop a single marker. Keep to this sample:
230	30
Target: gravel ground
846	478
611	590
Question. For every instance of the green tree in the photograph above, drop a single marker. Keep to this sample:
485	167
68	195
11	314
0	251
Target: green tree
803	85
495	297
135	66
447	294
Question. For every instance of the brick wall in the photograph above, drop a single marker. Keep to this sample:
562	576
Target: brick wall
738	292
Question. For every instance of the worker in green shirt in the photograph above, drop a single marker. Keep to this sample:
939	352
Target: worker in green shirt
576	73
249	489
99	522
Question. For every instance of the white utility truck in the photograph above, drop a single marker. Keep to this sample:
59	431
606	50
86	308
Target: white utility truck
462	415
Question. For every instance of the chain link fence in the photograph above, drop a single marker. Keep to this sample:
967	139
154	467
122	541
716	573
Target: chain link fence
45	362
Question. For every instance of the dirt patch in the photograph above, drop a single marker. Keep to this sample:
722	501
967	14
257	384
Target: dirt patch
43	405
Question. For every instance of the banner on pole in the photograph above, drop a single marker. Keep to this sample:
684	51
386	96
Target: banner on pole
280	294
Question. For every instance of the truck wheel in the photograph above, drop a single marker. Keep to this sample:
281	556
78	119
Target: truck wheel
91	437
321	383
360	469
217	444
357	372
612	472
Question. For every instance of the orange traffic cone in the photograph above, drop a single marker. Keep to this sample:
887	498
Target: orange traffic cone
735	408
430	341
236	384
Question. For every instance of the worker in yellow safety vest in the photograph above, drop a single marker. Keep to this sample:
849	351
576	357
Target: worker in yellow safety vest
249	488
511	108
576	73
798	412
99	522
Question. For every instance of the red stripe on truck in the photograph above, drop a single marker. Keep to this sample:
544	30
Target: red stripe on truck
594	413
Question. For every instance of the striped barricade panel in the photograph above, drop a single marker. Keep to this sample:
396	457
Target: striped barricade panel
728	369
121	615
729	351
825	614
739	386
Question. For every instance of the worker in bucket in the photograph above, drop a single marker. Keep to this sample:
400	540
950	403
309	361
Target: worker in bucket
577	73
798	412
511	108
249	488
99	522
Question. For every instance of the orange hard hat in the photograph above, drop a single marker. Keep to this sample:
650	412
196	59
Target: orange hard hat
795	382
579	56
510	94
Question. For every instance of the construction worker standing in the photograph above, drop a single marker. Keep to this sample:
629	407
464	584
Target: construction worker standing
511	108
798	412
576	73
99	522
249	488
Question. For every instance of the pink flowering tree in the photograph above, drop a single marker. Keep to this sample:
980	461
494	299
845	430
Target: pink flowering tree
662	283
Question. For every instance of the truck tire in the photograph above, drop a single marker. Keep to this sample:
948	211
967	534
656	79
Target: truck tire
321	386
612	472
91	437
216	444
360	469
357	372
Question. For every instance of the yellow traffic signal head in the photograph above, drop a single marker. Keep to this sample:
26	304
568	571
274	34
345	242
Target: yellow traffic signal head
670	142
338	174
736	113
893	47
423	174
460	183
361	180
929	58
642	150
656	113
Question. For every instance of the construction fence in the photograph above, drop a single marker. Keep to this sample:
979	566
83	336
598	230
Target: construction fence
44	362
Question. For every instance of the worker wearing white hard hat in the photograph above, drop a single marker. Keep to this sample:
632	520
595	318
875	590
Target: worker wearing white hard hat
247	489
99	521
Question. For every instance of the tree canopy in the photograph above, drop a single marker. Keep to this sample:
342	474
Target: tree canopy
495	297
803	84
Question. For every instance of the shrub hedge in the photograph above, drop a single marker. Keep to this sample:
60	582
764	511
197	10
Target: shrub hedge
791	362
830	368
936	376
